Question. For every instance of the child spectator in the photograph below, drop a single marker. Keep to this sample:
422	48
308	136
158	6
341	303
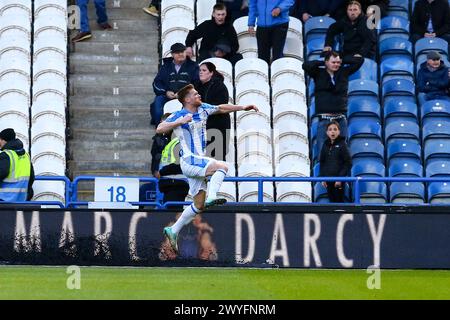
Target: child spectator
335	161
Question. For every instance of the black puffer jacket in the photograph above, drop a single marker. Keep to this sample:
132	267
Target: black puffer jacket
17	146
440	17
160	141
215	92
335	159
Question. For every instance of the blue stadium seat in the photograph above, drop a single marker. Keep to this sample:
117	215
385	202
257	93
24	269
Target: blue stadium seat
399	108
364	128
311	88
364	147
394	26
317	27
396	68
361	106
373	192
399	8
397	127
314	48
368	71
372	167
405	148
320	193
407	192
399	87
435	108
363	88
439	192
436	148
405	167
394	47
438	168
424	45
435	127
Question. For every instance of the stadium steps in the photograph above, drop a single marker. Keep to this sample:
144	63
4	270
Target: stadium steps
110	132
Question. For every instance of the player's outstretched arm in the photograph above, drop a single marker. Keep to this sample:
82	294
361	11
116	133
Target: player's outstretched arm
167	126
227	108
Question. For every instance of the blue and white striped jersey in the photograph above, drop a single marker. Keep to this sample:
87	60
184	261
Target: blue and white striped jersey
192	135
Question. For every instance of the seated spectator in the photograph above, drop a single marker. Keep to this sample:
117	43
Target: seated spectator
175	73
153	8
331	86
213	91
235	9
335	161
315	8
102	19
430	19
433	79
166	164
357	38
272	19
382	4
219	39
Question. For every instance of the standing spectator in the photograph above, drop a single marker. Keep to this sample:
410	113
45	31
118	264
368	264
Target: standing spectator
272	19
335	161
16	169
219	39
433	79
213	91
315	8
102	19
430	19
331	86
382	4
175	73
153	8
357	38
235	9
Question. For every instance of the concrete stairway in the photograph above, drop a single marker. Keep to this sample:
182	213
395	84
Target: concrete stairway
111	88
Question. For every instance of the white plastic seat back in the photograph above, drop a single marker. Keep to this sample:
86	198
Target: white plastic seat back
169	5
290	109
256	87
18	84
43	65
204	10
180	23
43	106
17	54
20	126
172	106
285	168
48	145
285	126
170	38
18	104
286	65
49	191
294	192
50	82
228	191
8	42
46	166
290	84
42	128
251	65
42	4
51	39
44	22
50	11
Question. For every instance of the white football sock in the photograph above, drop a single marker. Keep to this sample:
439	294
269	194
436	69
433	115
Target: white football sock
215	183
186	217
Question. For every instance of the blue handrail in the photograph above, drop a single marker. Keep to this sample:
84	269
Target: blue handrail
71	188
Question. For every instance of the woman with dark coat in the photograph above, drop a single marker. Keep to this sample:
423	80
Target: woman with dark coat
335	161
213	91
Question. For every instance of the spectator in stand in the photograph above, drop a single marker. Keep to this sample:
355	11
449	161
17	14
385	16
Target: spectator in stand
433	79
102	19
382	4
335	161
16	169
314	8
430	19
235	8
175	73
331	86
213	91
219	39
272	19
153	8
357	38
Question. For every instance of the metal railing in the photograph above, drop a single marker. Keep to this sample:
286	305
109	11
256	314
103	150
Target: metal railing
71	188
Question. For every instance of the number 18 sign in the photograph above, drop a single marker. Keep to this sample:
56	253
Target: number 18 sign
116	190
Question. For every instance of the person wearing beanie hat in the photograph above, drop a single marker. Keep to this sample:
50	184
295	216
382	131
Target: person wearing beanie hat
16	169
433	79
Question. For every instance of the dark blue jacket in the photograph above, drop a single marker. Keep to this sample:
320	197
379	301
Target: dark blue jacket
435	83
321	7
168	79
262	10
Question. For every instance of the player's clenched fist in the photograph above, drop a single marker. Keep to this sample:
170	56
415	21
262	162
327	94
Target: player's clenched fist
187	118
251	107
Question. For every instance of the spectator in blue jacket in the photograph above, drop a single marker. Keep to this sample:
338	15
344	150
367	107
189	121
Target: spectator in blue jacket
315	8
175	73
272	19
433	79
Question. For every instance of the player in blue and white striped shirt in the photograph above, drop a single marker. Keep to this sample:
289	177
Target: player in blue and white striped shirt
189	125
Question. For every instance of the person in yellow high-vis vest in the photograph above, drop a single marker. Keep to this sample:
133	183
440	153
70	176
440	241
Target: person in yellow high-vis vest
16	169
